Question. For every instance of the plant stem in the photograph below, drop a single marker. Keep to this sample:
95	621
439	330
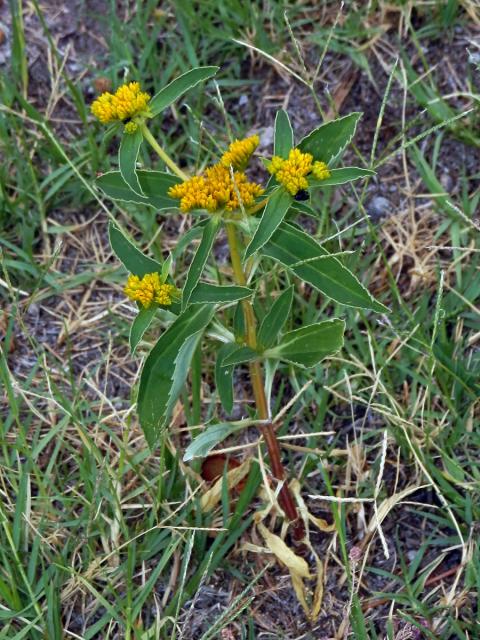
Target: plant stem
286	499
164	156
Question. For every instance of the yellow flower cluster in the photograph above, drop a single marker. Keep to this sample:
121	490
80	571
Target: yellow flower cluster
127	102
239	152
320	170
216	190
293	171
149	289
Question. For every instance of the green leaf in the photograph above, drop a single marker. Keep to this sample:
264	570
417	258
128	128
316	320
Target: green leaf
166	369
302	207
133	259
206	293
307	346
275	319
328	142
200	258
212	435
224	376
290	246
340	176
127	159
273	215
140	324
239	355
154	184
167	96
283	140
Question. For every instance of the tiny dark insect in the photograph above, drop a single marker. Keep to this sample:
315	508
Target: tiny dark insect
301	196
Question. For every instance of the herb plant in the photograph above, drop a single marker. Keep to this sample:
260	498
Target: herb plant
260	224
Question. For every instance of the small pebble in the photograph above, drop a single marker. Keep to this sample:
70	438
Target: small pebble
446	181
266	137
379	207
33	309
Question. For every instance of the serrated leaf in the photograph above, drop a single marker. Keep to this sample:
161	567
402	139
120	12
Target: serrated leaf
200	258
206	293
272	216
309	345
172	91
224	376
166	369
327	142
291	246
154	185
131	257
341	176
239	355
275	319
127	159
213	435
140	324
283	140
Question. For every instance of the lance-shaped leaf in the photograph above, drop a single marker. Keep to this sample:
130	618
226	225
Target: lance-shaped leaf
239	355
275	319
307	346
172	91
131	257
127	159
166	369
213	435
154	185
327	142
340	176
273	214
200	258
140	324
283	140
224	376
311	262
206	293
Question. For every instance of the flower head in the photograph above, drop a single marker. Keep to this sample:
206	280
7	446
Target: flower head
149	289
320	170
293	171
216	189
239	152
127	102
130	127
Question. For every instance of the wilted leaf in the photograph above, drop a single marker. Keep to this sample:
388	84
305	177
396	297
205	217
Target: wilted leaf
213	496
